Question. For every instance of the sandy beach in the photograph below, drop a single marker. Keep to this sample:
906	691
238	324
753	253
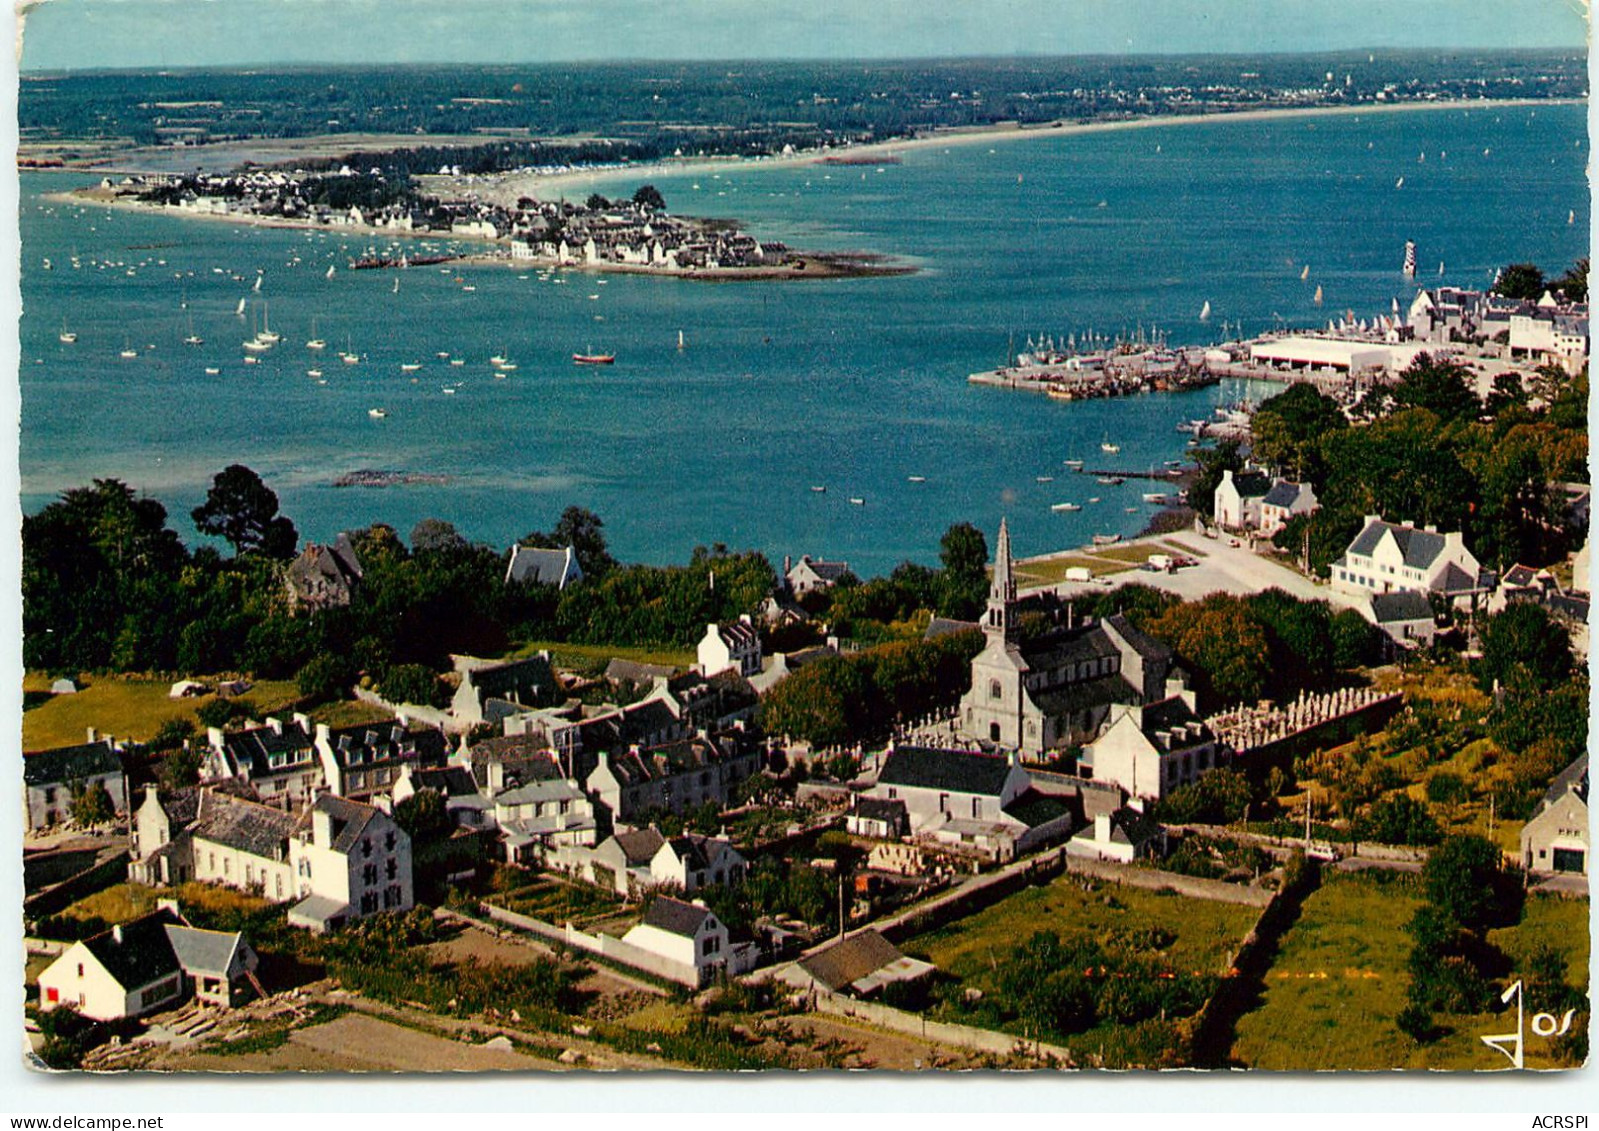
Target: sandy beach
506	188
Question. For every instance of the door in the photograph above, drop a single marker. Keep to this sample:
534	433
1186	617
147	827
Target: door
1570	860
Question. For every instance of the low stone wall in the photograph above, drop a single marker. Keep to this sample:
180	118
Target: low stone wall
1194	887
415	712
109	871
961	1036
603	945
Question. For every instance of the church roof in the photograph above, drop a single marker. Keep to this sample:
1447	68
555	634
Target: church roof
956	771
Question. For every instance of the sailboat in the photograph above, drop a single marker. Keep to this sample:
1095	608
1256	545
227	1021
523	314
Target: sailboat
680	339
128	352
396	284
1317	298
1204	312
315	343
240	311
193	339
257	287
67	336
1305	274
1107	446
331	270
266	333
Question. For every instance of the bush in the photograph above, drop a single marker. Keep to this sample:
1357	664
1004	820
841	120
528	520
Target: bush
410	683
1399	819
325	677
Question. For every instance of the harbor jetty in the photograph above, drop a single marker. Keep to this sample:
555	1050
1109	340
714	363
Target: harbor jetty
1125	370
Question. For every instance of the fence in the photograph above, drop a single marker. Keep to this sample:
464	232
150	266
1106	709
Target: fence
944	1032
603	945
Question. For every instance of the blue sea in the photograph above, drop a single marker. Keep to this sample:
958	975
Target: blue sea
855	385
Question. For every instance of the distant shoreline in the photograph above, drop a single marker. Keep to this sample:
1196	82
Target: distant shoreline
519	184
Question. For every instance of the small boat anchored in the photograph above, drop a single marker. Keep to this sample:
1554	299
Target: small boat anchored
594	358
1067	507
377	413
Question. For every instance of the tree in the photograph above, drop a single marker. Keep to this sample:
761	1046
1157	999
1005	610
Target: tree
1520	280
963	551
181	767
1465	879
92	804
597	203
243	510
1523	648
648	196
422	815
218	712
1442	387
326	676
584	531
1226	647
1399	819
1287	430
434	535
1219	797
1574	283
410	683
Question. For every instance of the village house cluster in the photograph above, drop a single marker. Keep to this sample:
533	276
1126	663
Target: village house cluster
634	233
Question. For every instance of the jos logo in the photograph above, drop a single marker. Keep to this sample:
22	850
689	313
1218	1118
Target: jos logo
1543	1025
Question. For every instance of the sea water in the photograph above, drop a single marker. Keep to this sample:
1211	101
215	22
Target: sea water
856	385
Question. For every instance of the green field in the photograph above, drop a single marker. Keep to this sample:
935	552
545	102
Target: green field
1049	571
594	657
133	709
1340	978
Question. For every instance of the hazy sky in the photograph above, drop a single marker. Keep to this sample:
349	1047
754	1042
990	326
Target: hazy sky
173	33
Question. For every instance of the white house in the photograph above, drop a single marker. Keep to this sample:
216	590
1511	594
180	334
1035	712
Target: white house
691	862
1405	616
1389	556
1284	501
635	860
1123	836
51	779
279	761
687	936
1150	751
812	573
736	645
1238	498
543	815
1556	839
150	963
350	860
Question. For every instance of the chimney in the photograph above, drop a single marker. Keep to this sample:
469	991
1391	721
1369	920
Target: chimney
116	934
276	724
94	735
788	564
1102	827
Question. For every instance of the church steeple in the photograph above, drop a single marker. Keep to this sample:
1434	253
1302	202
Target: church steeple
1002	590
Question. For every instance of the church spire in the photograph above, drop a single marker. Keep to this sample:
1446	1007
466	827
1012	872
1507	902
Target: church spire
1002	590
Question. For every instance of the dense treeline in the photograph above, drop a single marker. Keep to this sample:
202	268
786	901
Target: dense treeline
630	100
108	585
1435	453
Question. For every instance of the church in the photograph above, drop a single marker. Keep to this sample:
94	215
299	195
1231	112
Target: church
1054	685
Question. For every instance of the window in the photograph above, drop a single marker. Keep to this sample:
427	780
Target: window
943	803
995	689
227	865
80	965
369	903
305	866
977	807
393	870
893	794
369	875
279	885
49	795
366	846
388	840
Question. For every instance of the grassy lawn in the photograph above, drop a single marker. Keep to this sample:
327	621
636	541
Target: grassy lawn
1049	571
1340	979
1208	933
132	709
1136	553
349	713
594	657
121	902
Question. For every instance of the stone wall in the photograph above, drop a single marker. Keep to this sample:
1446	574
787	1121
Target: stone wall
603	945
961	1036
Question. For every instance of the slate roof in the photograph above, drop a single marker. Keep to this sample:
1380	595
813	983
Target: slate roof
542	566
639	846
1061	646
1251	484
690	849
367	745
631	671
180	805
1401	605
1522	576
657	763
1033	808
675	917
70	763
1419	547
550	789
1141	642
827	571
143	955
642	720
1456	580
1085	694
879	809
1572	779
1283	494
509	680
259	830
448	781
203	952
847	962
953	771
350	819
252	750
